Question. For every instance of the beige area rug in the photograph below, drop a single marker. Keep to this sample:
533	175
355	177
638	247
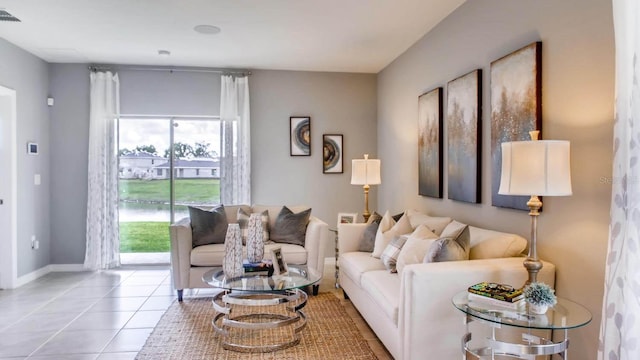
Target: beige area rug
185	332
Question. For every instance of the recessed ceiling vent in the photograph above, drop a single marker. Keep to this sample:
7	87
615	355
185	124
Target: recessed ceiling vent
5	16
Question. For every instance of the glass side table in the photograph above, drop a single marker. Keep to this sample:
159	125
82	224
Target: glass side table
565	315
337	285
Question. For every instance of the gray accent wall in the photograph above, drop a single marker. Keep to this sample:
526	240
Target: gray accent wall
69	84
337	103
577	105
28	75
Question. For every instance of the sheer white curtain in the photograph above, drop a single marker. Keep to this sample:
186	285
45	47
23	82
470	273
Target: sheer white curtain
235	160
103	244
620	327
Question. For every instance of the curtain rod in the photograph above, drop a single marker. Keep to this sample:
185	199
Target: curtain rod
171	70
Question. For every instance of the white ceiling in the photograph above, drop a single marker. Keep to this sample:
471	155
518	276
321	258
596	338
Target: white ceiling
314	35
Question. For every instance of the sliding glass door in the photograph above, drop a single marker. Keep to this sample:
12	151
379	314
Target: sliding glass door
165	165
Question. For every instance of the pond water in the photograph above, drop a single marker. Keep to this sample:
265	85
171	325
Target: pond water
130	212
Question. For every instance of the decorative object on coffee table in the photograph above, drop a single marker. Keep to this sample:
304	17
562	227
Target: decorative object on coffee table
365	172
232	263
255	239
540	297
536	167
279	265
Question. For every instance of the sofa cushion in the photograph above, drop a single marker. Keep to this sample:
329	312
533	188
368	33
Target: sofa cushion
387	230
208	227
368	237
243	221
354	264
384	289
489	244
292	254
290	227
436	224
452	246
207	255
212	255
390	254
416	247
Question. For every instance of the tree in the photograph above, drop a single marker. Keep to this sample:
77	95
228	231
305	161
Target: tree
202	150
180	151
147	148
124	151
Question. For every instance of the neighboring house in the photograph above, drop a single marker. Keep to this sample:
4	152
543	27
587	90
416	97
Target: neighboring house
138	165
189	169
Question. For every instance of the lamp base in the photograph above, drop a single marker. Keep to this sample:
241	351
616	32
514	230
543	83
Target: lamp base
366	214
532	263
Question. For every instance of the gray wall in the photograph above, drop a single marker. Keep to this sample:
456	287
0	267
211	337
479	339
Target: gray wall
577	102
27	74
69	84
337	103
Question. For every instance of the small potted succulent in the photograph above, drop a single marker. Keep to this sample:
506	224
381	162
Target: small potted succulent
539	296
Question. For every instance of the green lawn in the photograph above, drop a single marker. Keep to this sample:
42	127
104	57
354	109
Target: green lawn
140	236
144	237
186	190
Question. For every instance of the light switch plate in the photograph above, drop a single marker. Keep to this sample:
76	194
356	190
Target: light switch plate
36	179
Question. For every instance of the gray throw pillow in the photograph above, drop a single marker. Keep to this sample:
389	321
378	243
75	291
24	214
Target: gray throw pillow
450	248
368	237
290	228
208	227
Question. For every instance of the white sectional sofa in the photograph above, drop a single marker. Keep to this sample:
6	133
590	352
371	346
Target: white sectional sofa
411	312
188	263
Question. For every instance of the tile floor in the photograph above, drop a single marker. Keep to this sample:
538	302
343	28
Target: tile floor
104	315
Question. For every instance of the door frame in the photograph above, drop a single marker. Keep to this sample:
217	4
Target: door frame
9	234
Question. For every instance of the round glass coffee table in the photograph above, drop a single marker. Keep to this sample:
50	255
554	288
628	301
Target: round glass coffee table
565	315
258	312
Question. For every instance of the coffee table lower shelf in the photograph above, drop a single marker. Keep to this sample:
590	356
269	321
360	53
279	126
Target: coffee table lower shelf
254	320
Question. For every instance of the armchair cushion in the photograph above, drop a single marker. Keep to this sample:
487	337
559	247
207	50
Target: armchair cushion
290	228
208	227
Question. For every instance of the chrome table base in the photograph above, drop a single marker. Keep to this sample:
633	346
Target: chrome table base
223	322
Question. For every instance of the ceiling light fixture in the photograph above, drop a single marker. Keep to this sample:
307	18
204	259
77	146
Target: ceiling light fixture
164	53
206	29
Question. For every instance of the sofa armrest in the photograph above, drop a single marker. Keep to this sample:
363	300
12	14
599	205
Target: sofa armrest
315	243
425	309
349	237
181	245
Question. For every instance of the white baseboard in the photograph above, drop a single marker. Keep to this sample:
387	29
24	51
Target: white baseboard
27	278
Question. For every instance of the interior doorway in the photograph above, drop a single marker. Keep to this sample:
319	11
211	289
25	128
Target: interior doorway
8	190
165	165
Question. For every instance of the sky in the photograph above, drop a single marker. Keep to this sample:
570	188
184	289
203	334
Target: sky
136	132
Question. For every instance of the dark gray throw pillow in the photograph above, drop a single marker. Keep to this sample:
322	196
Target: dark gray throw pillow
450	248
368	237
290	228
208	227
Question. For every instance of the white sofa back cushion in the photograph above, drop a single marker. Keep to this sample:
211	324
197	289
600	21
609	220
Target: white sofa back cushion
489	244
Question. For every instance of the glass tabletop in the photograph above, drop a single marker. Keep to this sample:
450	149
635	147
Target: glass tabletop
565	314
297	276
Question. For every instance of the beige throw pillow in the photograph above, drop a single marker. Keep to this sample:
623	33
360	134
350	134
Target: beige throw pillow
416	246
437	224
387	230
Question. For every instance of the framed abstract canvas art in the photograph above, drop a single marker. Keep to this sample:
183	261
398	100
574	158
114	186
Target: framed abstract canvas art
516	109
430	143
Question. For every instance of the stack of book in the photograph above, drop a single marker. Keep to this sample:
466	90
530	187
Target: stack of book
264	267
496	295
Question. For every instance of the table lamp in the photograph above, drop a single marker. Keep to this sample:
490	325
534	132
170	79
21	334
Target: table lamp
365	172
535	168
